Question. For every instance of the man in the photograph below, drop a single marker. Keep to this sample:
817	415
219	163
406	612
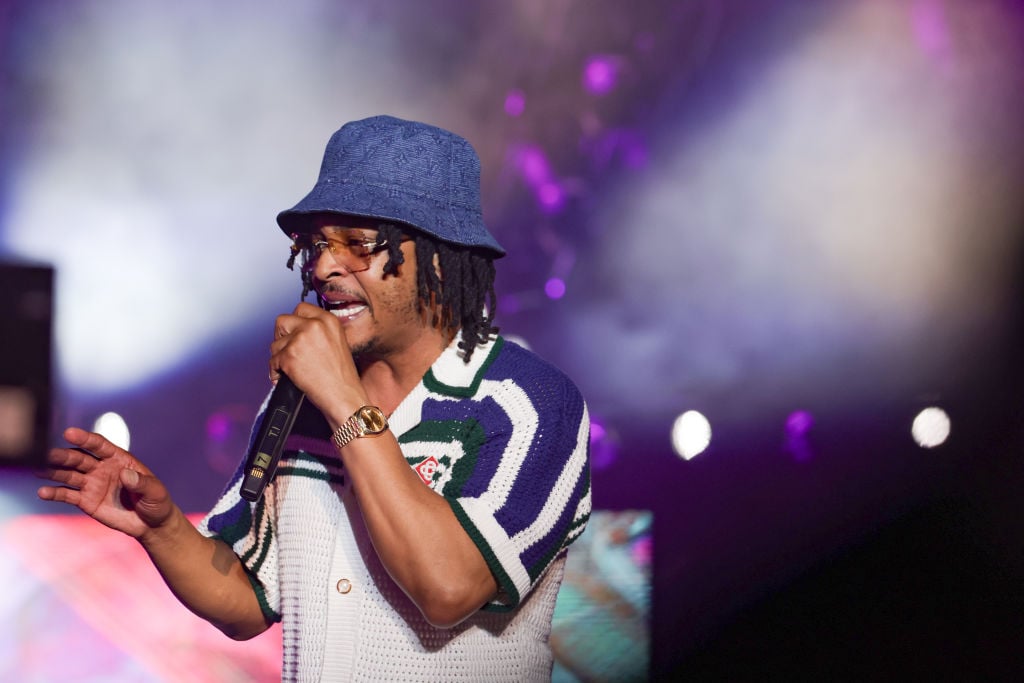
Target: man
417	526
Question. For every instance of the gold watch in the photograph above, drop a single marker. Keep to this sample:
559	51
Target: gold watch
367	421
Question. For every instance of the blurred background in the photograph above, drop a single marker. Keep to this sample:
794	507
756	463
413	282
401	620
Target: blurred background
777	244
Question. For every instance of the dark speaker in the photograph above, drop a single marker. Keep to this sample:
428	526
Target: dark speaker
26	316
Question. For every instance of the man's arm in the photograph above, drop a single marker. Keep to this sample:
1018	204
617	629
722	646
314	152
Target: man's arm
416	534
110	485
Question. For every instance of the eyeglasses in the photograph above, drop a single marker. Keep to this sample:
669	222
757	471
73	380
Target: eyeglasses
352	251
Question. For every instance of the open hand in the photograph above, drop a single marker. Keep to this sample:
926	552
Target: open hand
107	483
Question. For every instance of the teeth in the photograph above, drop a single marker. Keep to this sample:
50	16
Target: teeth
348	310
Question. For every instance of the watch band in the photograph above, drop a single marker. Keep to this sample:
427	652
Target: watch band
346	432
367	421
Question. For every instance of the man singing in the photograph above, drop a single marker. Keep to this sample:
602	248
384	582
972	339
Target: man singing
419	519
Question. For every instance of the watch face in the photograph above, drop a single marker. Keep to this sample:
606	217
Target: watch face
373	419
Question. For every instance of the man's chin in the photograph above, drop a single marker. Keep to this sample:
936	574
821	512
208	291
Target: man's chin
370	349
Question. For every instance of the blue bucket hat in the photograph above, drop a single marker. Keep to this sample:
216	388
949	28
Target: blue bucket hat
396	170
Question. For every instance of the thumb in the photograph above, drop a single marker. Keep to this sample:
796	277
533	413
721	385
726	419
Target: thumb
148	496
130	479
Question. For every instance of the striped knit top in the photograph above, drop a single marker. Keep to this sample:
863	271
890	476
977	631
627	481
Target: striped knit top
504	438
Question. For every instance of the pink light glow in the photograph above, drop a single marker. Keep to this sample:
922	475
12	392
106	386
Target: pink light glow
106	579
931	30
515	103
796	444
218	427
600	75
551	197
799	423
603	452
554	288
533	165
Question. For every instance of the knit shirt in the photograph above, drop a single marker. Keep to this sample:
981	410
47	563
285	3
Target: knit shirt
504	438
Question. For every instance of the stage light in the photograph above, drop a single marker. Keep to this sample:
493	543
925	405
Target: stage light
114	428
515	103
691	434
555	288
600	75
798	424
931	427
533	164
550	197
604	449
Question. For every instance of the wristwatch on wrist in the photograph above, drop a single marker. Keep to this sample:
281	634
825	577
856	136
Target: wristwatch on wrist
367	421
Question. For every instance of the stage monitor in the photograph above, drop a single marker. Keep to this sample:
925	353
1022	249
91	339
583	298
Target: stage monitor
26	312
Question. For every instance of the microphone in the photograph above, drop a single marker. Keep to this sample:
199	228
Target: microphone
261	463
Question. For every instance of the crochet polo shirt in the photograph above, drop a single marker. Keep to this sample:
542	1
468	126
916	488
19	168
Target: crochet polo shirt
504	438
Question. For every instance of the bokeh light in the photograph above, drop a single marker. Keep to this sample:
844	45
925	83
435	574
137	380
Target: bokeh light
691	434
600	74
550	197
604	450
114	428
555	288
515	103
931	427
798	425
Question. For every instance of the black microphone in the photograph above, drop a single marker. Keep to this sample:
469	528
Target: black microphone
261	463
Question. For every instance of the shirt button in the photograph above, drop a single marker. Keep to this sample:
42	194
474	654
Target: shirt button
344	586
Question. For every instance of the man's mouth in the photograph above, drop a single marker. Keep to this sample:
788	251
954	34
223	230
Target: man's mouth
344	307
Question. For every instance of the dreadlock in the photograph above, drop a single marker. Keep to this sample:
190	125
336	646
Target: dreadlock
466	295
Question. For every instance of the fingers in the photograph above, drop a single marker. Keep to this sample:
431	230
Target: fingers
92	442
305	309
70	458
306	334
287	323
59	494
69	467
282	326
67	477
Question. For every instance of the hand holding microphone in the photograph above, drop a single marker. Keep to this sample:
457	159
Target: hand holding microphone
265	452
286	399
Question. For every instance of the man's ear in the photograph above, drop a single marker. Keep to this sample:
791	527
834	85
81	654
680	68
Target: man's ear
437	267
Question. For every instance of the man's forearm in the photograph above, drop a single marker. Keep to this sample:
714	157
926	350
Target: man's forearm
206	576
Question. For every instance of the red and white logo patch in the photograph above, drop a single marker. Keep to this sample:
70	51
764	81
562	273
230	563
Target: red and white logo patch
426	470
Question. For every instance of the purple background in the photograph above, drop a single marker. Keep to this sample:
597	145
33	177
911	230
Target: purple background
801	219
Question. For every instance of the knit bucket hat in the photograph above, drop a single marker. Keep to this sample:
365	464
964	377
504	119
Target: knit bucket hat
405	171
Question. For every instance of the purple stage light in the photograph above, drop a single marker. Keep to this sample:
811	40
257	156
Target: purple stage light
625	146
218	427
515	103
600	75
227	433
931	30
799	423
551	197
554	288
642	550
603	450
533	165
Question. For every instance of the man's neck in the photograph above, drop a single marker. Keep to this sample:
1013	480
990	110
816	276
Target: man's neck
387	381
